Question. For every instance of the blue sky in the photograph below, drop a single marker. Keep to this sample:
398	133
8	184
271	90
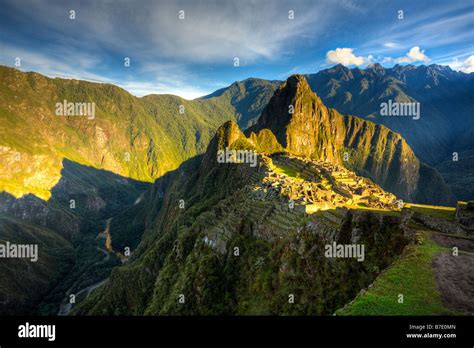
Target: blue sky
194	56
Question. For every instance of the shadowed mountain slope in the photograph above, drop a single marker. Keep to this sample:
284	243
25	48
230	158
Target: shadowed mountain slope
235	246
304	126
140	138
66	230
445	98
249	97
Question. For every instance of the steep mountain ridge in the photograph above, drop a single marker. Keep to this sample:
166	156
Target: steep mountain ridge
141	138
445	126
304	126
248	97
227	241
444	96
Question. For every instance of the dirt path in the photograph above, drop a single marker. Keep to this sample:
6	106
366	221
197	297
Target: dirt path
65	309
108	237
107	254
455	274
447	241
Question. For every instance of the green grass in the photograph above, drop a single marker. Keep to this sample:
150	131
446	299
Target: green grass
292	173
378	210
157	138
448	213
411	275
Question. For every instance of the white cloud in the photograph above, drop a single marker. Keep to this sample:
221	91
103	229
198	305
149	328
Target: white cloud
212	34
390	44
345	56
466	66
211	31
415	54
162	78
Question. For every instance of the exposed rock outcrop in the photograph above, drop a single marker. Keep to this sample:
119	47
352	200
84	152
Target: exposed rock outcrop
304	126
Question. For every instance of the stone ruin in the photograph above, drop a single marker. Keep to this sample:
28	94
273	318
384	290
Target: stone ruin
319	186
465	214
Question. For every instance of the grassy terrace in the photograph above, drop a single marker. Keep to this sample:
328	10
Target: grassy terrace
411	275
447	213
376	210
433	210
282	169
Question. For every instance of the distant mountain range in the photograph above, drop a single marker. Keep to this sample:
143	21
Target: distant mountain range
445	125
236	246
445	97
370	149
106	164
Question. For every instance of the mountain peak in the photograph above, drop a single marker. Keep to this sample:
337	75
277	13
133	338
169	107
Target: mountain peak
340	67
377	67
303	126
227	134
290	101
296	78
296	83
341	71
297	118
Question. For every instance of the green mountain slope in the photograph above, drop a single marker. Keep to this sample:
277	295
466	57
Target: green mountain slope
304	126
235	246
249	97
48	160
140	138
66	229
445	98
25	283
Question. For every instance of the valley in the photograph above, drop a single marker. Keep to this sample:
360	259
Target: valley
286	172
254	245
232	217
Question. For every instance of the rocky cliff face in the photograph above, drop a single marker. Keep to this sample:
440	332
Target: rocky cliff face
235	245
201	206
444	96
304	126
445	103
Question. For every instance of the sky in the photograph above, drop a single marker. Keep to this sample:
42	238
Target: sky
192	48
